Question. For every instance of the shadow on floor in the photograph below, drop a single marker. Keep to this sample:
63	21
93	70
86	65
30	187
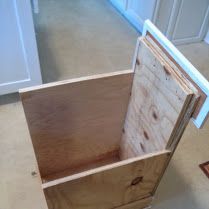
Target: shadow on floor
9	98
174	192
49	67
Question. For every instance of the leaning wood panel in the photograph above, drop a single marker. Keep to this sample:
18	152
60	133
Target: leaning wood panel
192	107
158	102
157	47
189	109
202	109
109	187
77	122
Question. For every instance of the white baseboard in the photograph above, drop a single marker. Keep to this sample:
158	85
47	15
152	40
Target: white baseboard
133	20
35	4
207	38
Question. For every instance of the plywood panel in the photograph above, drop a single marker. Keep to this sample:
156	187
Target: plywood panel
157	104
193	107
109	187
77	122
154	44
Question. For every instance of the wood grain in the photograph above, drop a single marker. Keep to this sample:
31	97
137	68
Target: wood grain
157	104
188	109
107	159
111	187
191	107
200	117
178	68
173	143
77	122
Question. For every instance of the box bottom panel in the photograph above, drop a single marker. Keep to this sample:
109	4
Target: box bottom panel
106	159
110	186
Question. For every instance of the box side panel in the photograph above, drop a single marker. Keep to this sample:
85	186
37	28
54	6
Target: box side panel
189	108
76	123
192	107
157	104
162	52
109	188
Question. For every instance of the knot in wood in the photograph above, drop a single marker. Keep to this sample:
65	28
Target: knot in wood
137	180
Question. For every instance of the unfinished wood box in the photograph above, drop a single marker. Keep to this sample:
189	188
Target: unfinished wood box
104	141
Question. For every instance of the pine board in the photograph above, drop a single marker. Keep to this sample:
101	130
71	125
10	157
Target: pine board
158	102
201	112
108	187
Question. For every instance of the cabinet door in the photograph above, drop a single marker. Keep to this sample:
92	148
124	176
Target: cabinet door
191	21
183	21
19	64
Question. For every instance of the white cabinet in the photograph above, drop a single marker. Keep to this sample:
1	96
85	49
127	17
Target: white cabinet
19	63
182	21
186	20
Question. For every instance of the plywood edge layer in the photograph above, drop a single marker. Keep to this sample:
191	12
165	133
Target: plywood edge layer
193	93
185	83
102	168
173	143
149	28
180	71
202	110
139	204
74	80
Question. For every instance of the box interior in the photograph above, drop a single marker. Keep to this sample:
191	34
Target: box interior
76	125
86	123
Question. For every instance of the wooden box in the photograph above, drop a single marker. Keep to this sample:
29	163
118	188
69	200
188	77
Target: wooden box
104	141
